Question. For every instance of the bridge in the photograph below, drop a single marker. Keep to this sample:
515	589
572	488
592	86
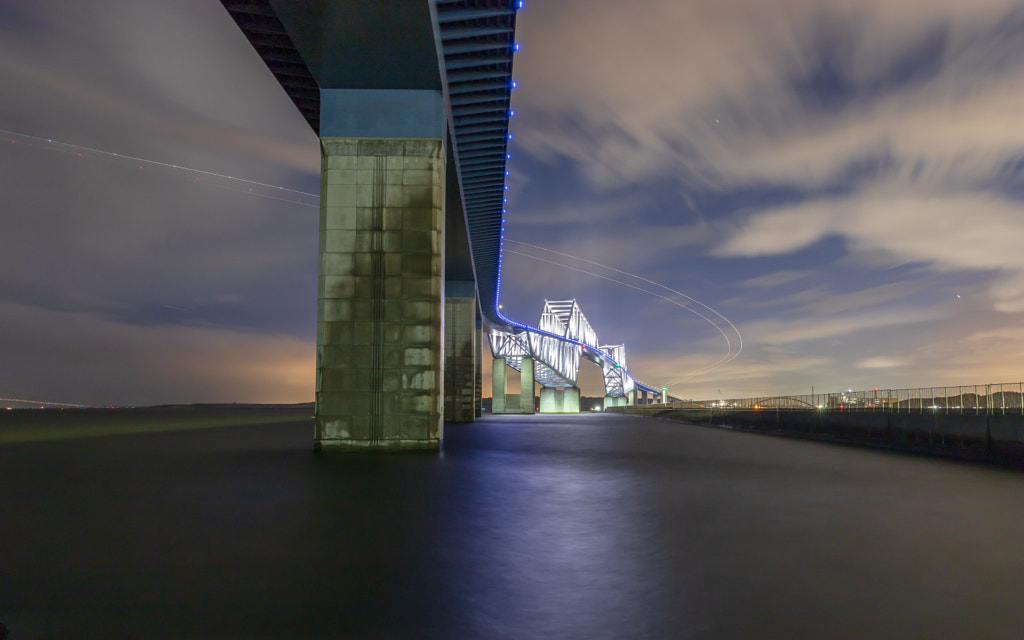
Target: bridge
411	102
550	355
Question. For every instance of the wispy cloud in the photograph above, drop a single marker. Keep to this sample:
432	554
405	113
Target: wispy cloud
733	92
817	327
82	358
947	232
776	278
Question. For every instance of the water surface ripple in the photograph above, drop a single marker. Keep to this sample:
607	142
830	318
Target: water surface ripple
591	526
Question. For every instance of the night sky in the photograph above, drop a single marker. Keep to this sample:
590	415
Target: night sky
844	181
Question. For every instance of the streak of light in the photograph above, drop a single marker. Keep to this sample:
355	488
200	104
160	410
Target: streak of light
177	167
733	339
730	333
40	402
250	192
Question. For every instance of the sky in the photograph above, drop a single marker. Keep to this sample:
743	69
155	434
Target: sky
843	181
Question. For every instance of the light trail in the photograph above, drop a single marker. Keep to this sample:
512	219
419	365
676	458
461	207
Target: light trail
177	167
40	402
730	333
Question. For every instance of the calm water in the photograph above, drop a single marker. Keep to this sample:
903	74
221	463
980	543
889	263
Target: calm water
526	527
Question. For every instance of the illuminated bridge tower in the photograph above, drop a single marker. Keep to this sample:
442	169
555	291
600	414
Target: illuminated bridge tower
410	99
620	389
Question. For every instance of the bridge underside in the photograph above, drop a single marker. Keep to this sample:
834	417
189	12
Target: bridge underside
410	99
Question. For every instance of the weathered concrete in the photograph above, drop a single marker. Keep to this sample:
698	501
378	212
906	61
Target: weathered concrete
526	387
503	402
499	386
479	383
559	400
571	400
460	353
380	314
610	401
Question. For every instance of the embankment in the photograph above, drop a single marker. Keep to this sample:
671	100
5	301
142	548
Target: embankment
992	438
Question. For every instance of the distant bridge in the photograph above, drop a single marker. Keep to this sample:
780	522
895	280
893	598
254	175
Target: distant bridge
550	355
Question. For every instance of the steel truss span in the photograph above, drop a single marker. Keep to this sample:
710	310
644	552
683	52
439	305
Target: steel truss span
562	338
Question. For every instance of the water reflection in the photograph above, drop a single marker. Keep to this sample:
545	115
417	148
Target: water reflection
563	542
557	527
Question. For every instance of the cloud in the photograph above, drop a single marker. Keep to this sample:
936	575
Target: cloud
848	165
879	363
759	372
731	92
816	327
837	303
830	168
83	359
776	278
173	82
163	80
946	231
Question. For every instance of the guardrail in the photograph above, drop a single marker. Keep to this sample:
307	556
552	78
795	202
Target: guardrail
994	398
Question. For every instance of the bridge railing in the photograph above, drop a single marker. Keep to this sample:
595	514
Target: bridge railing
992	398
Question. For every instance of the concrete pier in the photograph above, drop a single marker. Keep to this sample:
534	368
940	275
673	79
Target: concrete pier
478	366
460	354
380	312
554	400
620	401
499	386
503	402
526	386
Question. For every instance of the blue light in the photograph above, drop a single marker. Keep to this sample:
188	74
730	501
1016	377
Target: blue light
507	174
519	5
511	113
514	84
515	47
506	187
508	156
509	137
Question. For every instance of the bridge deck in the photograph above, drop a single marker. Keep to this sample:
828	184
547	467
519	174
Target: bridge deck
590	526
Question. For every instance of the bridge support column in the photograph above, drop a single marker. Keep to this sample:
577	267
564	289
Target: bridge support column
380	315
571	403
479	384
555	400
526	386
610	401
631	398
499	386
460	351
